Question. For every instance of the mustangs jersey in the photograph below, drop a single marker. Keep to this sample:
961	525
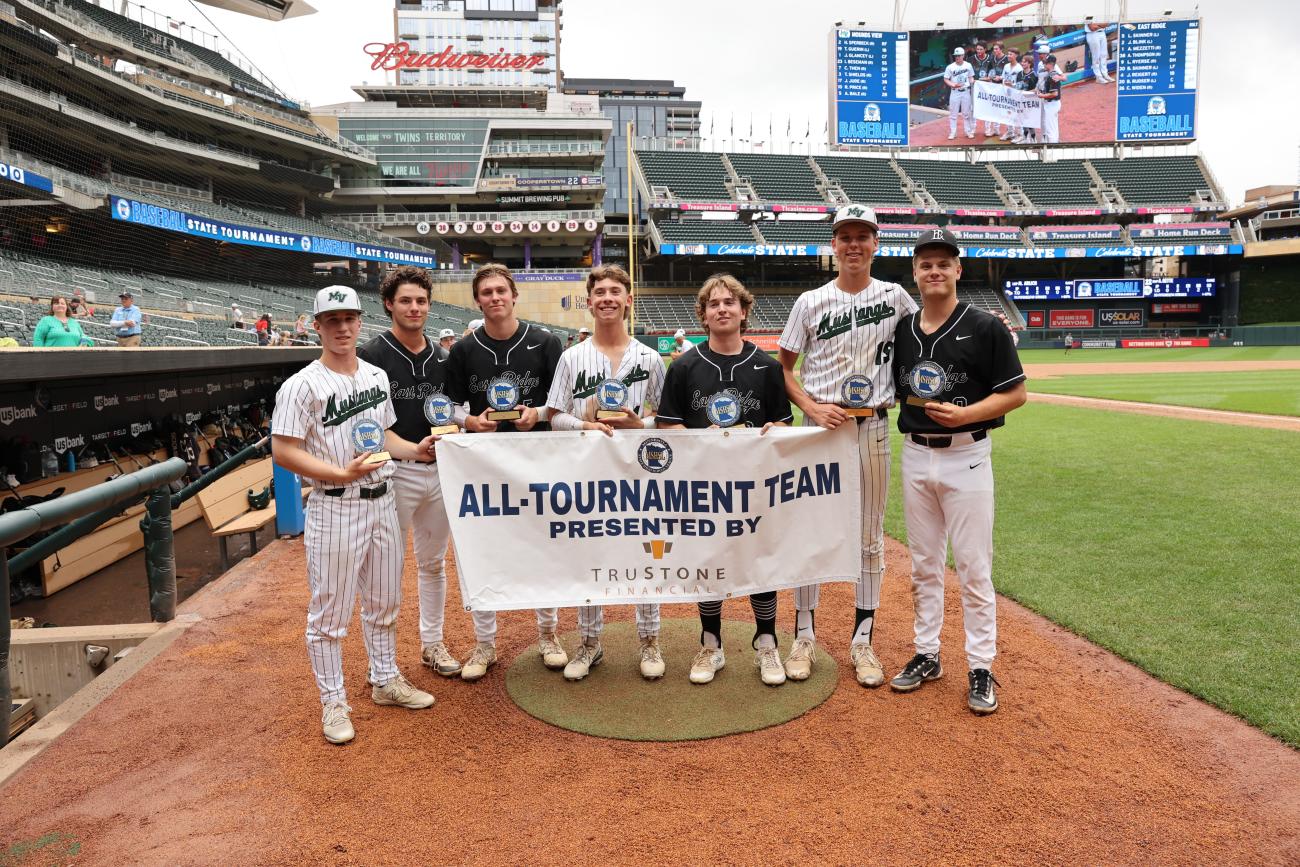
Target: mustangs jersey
526	360
699	384
959	74
411	377
840	333
583	368
327	411
965	360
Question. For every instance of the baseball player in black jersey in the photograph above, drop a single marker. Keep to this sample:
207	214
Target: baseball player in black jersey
1049	89
510	361
728	381
330	419
417	372
957	376
1027	81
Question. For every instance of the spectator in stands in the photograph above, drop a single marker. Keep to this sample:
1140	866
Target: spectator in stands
78	308
583	333
263	328
126	321
236	316
568	342
446	337
474	325
300	330
59	328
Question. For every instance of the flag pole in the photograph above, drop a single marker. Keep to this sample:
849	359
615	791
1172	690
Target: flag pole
631	229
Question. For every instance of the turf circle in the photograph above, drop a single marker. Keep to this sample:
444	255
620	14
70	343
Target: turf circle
614	701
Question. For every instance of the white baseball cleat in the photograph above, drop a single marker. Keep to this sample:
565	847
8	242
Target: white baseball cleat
652	658
401	692
707	663
770	669
587	657
799	664
951	136
552	652
481	658
335	723
439	658
866	666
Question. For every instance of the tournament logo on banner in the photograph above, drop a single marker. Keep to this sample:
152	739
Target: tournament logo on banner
658	516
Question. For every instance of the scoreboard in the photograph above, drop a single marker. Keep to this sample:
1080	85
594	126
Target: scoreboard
869	83
1157	80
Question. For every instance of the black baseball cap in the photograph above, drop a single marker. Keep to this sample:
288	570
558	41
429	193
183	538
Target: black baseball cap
940	237
126	295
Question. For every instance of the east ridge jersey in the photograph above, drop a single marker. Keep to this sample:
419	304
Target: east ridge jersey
582	368
321	408
840	333
965	360
526	359
753	379
412	378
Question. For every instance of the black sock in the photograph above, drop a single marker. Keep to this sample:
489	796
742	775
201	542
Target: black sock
711	621
764	608
864	624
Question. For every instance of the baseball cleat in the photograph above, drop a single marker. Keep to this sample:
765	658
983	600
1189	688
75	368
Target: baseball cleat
770	669
552	652
481	658
587	657
401	692
335	723
866	666
799	664
951	136
708	662
439	658
652	658
982	698
919	669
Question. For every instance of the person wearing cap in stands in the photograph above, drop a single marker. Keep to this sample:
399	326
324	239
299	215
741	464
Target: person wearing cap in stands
474	325
126	321
845	332
680	344
333	425
446	337
583	333
959	76
957	376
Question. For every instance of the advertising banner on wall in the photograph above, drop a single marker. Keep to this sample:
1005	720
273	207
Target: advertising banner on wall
1070	319
1127	317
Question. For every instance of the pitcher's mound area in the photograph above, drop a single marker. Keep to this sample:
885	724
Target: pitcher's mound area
614	701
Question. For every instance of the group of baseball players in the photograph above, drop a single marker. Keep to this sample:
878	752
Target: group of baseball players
361	425
1035	71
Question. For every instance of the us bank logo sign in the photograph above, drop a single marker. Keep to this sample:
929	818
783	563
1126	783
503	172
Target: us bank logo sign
11	414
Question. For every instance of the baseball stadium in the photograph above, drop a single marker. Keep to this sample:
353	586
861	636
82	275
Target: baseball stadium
1011	368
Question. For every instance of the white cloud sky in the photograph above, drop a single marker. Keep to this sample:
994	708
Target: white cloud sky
770	59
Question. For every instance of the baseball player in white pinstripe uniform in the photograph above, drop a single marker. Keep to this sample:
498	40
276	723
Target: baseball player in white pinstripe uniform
329	419
845	331
608	383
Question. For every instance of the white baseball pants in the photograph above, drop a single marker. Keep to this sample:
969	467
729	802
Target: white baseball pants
1051	122
419	507
353	550
959	103
873	449
1100	51
591	621
948	496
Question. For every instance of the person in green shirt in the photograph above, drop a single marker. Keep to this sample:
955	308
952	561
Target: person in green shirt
58	329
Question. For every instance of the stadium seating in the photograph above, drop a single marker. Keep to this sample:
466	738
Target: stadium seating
778	177
1171	180
705	232
690	175
795	231
1064	183
866	181
954	184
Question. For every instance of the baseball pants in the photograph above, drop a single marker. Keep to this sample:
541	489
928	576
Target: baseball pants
353	550
1051	122
873	449
591	621
419	507
948	496
959	103
1099	50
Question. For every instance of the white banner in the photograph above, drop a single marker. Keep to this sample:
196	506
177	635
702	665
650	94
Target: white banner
567	518
998	103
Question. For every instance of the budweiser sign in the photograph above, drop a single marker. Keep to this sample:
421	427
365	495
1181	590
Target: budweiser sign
398	55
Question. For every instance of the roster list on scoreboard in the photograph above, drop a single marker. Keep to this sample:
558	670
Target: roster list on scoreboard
869	84
1158	64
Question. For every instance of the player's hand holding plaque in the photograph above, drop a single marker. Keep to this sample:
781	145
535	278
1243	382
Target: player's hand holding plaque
368	436
503	397
928	382
441	414
855	392
611	395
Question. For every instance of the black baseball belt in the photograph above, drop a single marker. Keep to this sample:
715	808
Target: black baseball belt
943	442
362	493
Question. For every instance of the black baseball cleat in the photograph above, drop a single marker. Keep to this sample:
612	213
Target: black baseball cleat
982	698
919	669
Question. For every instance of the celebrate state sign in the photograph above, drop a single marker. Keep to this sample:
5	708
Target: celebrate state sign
566	518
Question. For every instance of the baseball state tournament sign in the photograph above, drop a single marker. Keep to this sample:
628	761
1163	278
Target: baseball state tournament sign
574	518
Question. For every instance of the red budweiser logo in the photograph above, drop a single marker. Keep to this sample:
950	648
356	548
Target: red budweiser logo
1009	6
398	55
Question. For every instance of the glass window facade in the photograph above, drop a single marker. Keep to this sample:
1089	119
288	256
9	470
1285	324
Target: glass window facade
421	152
432	34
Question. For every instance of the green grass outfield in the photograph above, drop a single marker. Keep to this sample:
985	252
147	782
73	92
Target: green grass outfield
1276	392
1129	356
1172	543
